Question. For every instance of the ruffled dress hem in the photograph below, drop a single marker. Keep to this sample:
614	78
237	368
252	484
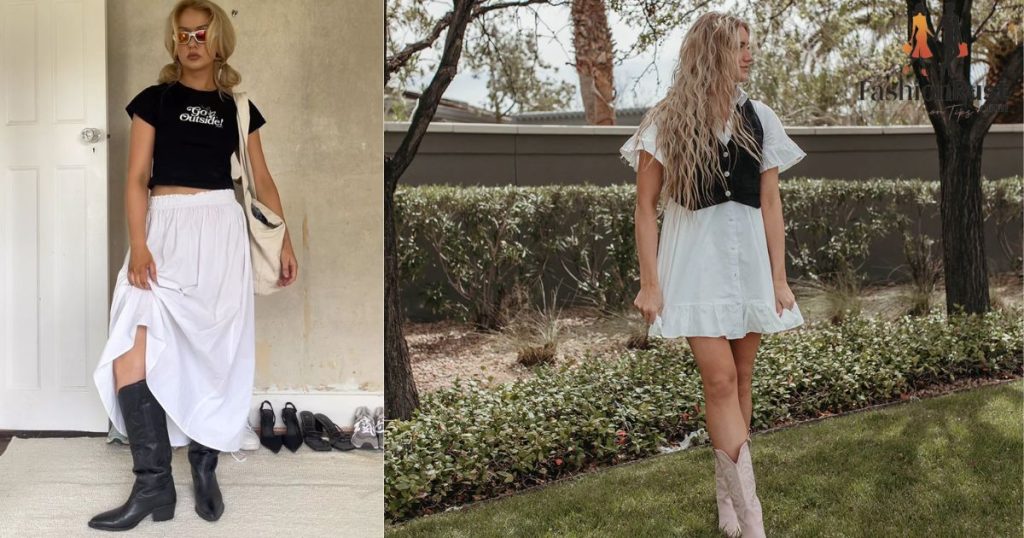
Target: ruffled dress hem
731	320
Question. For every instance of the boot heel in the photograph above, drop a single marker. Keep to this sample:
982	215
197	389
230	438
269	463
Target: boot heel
164	513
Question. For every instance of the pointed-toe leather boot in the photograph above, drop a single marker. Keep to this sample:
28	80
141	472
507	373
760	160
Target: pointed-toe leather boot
209	502
727	520
153	492
739	477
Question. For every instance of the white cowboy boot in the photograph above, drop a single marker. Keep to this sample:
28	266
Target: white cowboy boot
739	477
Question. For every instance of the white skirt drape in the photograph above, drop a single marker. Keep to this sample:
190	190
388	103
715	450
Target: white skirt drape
199	314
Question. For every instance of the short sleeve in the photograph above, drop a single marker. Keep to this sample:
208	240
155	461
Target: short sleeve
779	150
255	118
146	104
645	140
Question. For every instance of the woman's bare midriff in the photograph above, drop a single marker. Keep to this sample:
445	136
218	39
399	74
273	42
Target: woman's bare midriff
159	190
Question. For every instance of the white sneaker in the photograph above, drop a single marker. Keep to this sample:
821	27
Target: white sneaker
363	432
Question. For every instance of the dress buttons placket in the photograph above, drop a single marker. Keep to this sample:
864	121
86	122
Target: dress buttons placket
733	250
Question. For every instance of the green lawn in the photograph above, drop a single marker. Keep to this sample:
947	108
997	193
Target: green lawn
946	466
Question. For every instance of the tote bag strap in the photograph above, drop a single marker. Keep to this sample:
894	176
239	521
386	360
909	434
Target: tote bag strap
242	104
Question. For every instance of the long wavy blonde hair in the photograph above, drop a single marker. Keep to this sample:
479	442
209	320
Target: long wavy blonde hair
220	41
697	106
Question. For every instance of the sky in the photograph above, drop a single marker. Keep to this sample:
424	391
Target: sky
640	81
635	86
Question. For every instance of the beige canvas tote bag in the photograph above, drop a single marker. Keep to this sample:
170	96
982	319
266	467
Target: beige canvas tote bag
266	228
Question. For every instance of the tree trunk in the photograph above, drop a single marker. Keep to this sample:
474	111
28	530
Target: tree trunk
960	130
400	396
592	40
965	266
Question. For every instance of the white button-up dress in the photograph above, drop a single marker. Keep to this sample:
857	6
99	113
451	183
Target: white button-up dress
713	267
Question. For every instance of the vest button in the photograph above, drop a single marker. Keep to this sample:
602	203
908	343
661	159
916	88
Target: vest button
728	193
726	174
725	154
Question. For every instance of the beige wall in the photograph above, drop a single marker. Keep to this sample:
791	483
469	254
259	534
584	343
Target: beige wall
313	69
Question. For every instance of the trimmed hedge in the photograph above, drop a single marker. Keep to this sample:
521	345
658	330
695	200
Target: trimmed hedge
468	442
476	253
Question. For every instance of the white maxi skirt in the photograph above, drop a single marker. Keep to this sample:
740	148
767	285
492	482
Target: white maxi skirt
199	314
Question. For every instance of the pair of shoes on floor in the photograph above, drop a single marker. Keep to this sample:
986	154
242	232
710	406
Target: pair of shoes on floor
321	433
292	438
364	432
739	509
153	493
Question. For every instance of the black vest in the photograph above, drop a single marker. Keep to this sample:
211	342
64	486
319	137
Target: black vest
741	169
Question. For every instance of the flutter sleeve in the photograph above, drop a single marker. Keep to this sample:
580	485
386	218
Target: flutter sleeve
646	140
779	149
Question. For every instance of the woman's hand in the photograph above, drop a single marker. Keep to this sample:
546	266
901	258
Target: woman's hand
141	266
649	302
289	267
784	298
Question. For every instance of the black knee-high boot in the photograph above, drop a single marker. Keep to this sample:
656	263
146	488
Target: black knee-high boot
209	502
153	492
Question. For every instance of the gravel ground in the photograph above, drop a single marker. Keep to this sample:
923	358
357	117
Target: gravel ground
445	350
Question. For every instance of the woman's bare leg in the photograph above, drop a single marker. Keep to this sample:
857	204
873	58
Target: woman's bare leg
743	352
722	406
131	367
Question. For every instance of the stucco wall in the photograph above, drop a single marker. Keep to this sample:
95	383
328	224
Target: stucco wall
313	69
482	154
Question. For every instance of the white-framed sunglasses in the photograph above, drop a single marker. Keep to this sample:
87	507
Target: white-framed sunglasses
182	37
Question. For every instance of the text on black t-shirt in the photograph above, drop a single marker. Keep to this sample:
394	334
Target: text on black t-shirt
196	133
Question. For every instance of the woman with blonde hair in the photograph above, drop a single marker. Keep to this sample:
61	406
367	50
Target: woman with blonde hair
178	364
717	274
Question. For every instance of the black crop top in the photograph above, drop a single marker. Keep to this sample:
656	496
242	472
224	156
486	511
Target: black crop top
196	133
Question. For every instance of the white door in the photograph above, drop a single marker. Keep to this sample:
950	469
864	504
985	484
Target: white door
53	213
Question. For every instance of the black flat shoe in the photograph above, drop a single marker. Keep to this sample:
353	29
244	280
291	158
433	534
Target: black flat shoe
339	439
293	435
313	433
267	436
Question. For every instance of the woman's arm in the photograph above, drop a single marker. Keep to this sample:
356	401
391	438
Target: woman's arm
648	189
268	195
774	231
136	200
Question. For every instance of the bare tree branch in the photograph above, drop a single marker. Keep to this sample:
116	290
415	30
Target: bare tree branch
395	165
521	3
1010	78
981	26
396	62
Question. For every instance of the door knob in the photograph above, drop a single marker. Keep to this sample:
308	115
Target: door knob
90	135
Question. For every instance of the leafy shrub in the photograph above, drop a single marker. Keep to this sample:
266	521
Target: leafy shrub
468	442
472	251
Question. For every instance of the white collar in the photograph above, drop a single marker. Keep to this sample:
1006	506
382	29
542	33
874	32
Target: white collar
739	97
